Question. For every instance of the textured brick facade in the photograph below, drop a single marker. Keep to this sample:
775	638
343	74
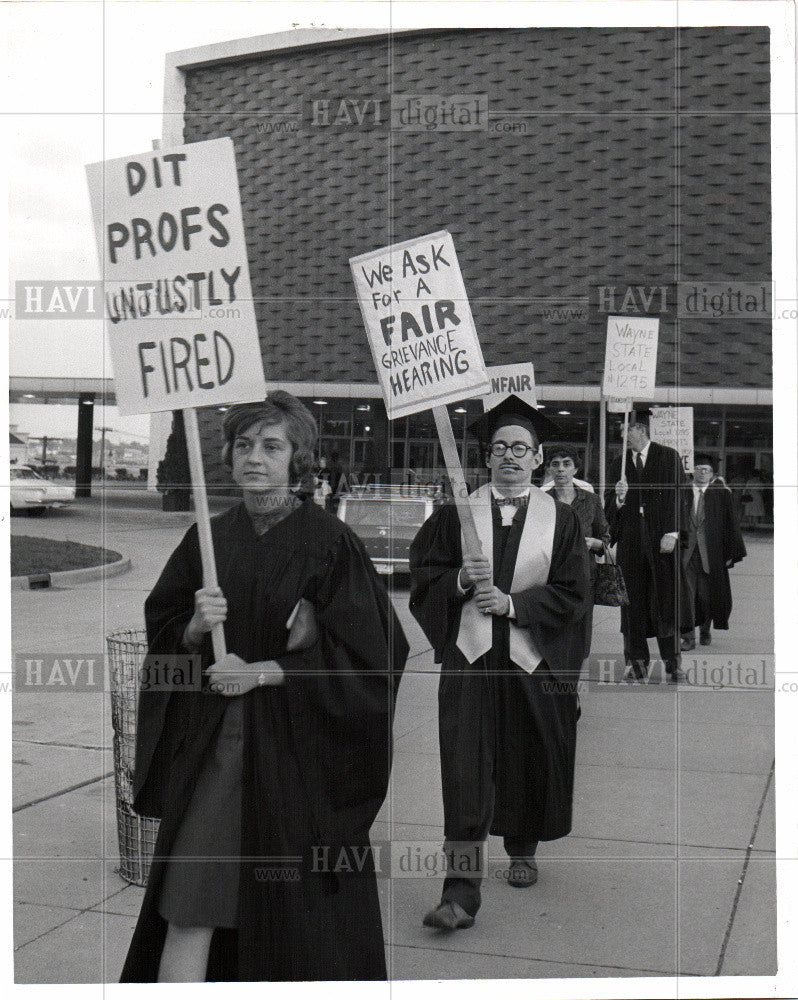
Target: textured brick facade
637	156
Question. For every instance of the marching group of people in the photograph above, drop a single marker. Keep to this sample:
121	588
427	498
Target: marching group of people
283	758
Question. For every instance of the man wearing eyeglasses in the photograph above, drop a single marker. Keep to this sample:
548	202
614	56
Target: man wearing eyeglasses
504	624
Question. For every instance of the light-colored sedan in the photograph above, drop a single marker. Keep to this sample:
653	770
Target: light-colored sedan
30	491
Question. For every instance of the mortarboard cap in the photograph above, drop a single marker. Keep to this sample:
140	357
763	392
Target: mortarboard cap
513	410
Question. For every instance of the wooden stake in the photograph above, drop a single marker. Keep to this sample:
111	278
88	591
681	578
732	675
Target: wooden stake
459	488
203	520
602	446
173	135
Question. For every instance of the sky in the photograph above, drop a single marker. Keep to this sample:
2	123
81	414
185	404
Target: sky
86	84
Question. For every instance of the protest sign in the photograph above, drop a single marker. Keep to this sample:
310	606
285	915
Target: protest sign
630	360
506	380
424	342
419	324
179	311
673	426
178	300
630	366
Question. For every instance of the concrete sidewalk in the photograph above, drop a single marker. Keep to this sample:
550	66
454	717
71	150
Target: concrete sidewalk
670	868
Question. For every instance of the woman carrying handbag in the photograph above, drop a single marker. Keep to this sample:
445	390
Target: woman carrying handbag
605	579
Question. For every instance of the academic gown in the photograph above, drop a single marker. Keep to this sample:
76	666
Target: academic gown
724	544
588	509
529	763
316	750
653	579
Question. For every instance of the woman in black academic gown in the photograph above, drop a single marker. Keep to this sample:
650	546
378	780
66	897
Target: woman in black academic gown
268	779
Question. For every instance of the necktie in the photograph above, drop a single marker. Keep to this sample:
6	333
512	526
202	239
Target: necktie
700	510
637	496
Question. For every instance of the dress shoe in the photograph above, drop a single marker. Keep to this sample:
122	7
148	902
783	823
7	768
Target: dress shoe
523	872
448	917
636	671
688	643
674	676
705	637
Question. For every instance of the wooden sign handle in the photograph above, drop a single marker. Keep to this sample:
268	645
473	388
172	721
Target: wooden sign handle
602	446
459	488
627	406
203	520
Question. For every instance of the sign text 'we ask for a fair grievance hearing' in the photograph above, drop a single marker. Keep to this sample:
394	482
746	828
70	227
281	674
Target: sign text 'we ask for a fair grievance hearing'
419	324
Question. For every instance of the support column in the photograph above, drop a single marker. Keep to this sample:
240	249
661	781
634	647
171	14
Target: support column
85	430
381	441
589	444
722	446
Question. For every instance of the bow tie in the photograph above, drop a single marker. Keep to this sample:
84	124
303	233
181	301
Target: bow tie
512	501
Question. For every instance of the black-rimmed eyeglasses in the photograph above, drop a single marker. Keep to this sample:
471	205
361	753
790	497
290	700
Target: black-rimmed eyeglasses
518	449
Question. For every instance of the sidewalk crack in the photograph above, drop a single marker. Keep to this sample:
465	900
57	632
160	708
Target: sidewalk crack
61	791
741	879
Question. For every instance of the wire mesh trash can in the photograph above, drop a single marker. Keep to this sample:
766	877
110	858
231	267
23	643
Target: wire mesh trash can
126	651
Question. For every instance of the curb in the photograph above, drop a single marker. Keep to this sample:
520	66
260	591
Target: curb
69	577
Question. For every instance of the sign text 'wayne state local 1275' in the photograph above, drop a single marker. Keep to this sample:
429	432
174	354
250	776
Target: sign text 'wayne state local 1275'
419	324
178	303
630	359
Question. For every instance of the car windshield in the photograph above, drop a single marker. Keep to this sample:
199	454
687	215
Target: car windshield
401	513
24	474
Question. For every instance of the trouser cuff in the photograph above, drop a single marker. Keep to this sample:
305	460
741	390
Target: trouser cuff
520	847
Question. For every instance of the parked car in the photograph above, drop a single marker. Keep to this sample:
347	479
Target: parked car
386	519
30	491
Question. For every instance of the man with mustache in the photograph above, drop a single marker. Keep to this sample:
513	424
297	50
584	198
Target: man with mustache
503	623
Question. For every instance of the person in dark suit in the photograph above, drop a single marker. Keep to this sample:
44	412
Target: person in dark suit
645	513
714	545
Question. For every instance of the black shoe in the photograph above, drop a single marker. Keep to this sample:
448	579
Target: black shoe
705	637
523	873
448	917
675	675
688	643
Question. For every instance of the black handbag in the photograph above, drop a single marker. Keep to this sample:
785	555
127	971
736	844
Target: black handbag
608	586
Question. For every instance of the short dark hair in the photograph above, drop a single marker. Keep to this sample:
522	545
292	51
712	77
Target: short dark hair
562	451
703	459
279	407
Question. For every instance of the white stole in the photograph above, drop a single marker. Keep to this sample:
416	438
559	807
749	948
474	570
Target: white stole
475	636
